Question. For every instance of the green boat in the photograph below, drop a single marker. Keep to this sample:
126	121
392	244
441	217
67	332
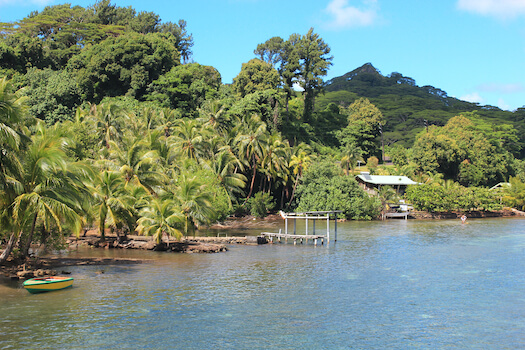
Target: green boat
47	284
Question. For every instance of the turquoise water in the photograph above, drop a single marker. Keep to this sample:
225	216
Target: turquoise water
384	285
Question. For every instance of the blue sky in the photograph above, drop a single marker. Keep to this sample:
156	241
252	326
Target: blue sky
472	49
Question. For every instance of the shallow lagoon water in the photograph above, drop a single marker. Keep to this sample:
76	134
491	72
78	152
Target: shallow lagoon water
395	284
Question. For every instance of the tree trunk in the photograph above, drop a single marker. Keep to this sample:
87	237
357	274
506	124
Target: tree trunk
293	191
253	180
9	247
25	251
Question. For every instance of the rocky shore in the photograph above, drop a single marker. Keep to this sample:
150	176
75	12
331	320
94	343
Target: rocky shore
46	266
471	214
49	266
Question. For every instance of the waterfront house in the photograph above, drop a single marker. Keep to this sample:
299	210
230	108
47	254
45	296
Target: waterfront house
372	183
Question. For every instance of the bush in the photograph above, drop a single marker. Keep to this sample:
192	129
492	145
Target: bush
260	204
434	198
326	188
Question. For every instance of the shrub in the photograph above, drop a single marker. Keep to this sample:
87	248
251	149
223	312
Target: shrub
260	204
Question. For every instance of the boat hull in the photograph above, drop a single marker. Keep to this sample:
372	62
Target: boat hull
47	284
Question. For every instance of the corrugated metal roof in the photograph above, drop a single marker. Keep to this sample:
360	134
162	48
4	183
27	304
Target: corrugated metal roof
391	180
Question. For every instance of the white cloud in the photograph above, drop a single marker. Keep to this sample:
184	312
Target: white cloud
26	2
345	16
502	9
502	88
473	97
503	105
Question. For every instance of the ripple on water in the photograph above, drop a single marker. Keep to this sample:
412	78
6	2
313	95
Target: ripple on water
396	285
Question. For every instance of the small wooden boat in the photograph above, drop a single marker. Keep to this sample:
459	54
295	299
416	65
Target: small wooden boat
47	284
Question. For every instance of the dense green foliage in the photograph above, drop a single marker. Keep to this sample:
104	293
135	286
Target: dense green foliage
408	108
104	124
434	198
325	187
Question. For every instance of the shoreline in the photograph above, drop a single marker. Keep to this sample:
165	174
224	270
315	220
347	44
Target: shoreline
47	265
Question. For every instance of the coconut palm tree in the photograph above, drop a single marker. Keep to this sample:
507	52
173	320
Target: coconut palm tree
214	115
251	141
13	109
194	201
159	218
112	204
300	161
223	166
188	138
351	155
137	163
274	160
108	119
47	190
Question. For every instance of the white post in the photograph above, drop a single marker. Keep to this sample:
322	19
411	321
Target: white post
335	238
327	228
306	224
306	229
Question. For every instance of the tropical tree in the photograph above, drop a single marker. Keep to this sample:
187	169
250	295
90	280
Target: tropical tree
112	203
48	191
161	217
514	195
194	201
274	162
251	142
12	113
256	75
300	161
223	166
108	120
351	155
137	164
188	138
313	65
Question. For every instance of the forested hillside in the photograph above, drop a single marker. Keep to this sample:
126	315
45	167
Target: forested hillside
409	108
106	122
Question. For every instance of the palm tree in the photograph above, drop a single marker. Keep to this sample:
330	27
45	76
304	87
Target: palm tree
194	201
351	155
300	161
47	190
137	164
251	141
12	113
386	194
274	161
111	202
159	218
188	138
108	119
214	115
223	166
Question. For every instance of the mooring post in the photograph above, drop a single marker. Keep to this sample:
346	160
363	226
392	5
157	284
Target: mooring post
286	225
294	225
314	226
335	238
327	228
306	229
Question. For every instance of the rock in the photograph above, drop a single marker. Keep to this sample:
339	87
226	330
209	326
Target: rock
149	245
25	274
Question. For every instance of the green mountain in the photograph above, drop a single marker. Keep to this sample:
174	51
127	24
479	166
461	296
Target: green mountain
407	107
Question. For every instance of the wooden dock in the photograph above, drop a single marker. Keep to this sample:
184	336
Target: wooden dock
301	238
310	216
397	215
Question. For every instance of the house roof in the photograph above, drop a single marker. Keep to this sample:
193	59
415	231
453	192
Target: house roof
391	180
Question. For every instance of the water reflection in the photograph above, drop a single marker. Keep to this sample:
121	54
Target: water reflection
395	284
